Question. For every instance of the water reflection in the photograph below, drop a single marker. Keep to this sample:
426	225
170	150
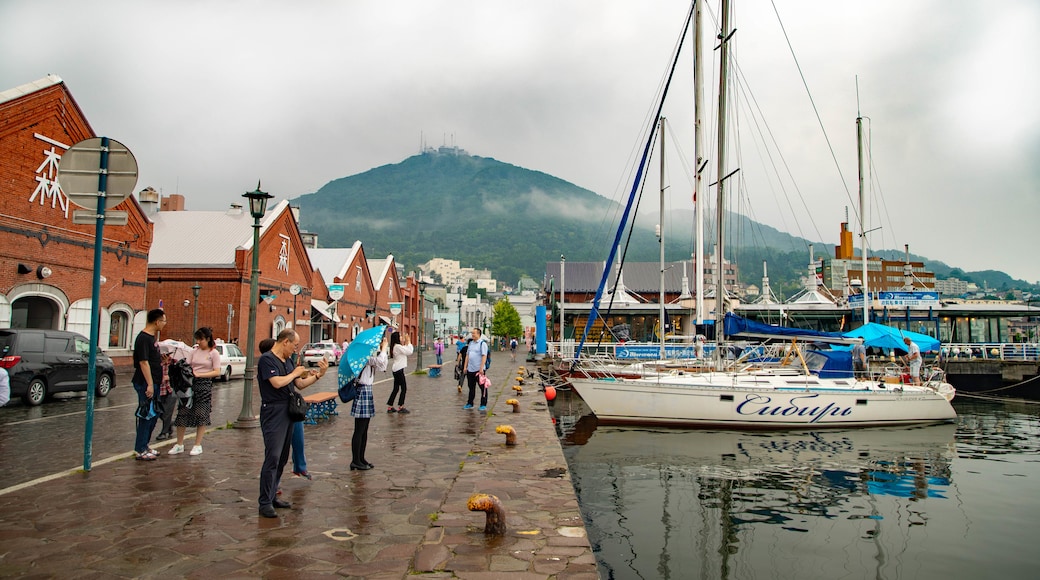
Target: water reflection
662	503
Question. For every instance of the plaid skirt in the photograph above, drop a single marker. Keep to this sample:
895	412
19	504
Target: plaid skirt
364	405
198	414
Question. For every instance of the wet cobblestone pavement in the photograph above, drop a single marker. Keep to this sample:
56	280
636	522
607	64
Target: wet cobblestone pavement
183	516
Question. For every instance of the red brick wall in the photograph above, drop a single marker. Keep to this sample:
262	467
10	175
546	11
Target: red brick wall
35	234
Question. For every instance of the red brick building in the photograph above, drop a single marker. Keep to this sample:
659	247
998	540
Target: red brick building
46	261
211	251
348	268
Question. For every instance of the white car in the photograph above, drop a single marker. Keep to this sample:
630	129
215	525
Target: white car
313	352
232	361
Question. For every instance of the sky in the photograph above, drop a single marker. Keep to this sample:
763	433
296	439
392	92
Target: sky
212	96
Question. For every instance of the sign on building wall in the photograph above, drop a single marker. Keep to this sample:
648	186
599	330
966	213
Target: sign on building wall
283	254
901	299
47	188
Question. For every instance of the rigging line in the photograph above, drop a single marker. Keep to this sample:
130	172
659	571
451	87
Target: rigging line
593	312
772	162
874	178
750	97
805	84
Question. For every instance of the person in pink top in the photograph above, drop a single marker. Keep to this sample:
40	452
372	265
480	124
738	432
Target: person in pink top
205	365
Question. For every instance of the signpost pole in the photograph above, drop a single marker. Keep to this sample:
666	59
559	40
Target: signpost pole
95	310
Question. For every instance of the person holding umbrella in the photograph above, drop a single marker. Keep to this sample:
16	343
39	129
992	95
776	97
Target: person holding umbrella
367	354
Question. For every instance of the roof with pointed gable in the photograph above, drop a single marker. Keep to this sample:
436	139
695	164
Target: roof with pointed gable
227	232
333	262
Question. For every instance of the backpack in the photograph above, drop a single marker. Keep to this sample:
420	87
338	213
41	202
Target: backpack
181	375
348	389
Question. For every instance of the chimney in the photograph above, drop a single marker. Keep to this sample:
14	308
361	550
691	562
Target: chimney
173	202
149	199
236	209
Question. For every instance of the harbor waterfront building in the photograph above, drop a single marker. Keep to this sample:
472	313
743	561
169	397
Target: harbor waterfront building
46	260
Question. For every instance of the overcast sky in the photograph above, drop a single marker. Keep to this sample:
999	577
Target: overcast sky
211	96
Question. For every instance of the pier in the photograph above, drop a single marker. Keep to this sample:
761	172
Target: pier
196	517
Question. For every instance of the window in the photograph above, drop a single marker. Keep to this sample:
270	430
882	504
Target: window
82	346
57	344
118	329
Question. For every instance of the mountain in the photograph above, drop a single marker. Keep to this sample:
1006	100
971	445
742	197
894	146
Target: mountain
490	214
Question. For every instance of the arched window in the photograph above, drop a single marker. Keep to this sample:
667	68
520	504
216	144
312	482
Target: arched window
277	326
119	329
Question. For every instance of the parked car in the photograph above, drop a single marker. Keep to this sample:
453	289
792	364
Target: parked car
313	352
232	361
43	362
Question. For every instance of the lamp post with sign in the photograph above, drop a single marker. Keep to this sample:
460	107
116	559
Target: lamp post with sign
96	174
335	293
422	323
257	209
295	290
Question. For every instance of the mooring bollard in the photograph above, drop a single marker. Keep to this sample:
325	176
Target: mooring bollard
515	403
509	432
495	524
519	390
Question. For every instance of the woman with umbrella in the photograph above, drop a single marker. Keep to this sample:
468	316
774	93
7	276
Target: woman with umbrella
367	354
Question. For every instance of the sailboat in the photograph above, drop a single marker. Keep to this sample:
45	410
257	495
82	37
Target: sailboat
750	396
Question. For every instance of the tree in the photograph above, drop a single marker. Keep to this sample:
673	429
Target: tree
507	320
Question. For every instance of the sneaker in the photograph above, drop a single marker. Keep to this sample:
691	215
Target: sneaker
467	407
176	449
302	474
482	408
195	450
402	410
391	410
146	456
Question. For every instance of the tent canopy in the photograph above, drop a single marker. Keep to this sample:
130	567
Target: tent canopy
886	337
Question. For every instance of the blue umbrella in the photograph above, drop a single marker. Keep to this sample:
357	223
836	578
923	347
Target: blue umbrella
886	337
363	346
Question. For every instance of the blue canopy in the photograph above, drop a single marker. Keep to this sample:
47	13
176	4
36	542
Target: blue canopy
886	337
739	326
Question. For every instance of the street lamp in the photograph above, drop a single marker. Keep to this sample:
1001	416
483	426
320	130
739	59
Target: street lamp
257	209
459	302
422	321
195	318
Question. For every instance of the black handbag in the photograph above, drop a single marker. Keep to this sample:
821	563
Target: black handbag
297	406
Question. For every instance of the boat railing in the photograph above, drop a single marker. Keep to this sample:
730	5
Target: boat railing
1009	351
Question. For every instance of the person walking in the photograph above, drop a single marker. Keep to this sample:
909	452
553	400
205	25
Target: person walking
147	375
913	358
168	400
476	359
364	408
512	348
400	348
438	349
276	375
205	366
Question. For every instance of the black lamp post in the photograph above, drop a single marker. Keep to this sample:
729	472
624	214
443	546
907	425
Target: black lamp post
422	322
459	302
257	209
195	318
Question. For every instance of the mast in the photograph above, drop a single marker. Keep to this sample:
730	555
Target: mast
720	288
563	270
660	242
698	133
862	208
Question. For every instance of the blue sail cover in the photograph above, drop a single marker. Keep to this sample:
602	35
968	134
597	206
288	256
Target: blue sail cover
739	326
888	338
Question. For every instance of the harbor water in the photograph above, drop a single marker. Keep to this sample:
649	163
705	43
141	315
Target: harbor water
943	501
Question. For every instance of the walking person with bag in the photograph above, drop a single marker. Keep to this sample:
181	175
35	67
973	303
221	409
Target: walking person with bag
400	349
205	366
276	375
147	378
364	408
476	361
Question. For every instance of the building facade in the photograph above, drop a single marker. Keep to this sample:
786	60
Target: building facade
46	261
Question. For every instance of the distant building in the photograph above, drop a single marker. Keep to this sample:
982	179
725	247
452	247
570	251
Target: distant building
882	275
951	287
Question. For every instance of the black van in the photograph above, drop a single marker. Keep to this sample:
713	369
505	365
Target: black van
44	362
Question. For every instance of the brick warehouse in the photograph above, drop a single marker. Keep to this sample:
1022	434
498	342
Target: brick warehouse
212	250
46	261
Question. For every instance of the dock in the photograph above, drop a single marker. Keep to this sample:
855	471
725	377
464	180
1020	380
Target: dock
196	517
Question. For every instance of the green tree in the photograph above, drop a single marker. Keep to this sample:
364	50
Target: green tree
506	321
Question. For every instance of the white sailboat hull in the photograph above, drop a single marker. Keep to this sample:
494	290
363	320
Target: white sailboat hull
762	401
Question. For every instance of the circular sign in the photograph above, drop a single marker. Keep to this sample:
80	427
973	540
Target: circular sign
80	167
295	289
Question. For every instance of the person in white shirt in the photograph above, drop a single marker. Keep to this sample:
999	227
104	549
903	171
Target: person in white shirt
913	358
400	349
5	387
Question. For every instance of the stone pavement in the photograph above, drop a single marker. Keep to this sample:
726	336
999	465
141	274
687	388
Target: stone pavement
183	516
